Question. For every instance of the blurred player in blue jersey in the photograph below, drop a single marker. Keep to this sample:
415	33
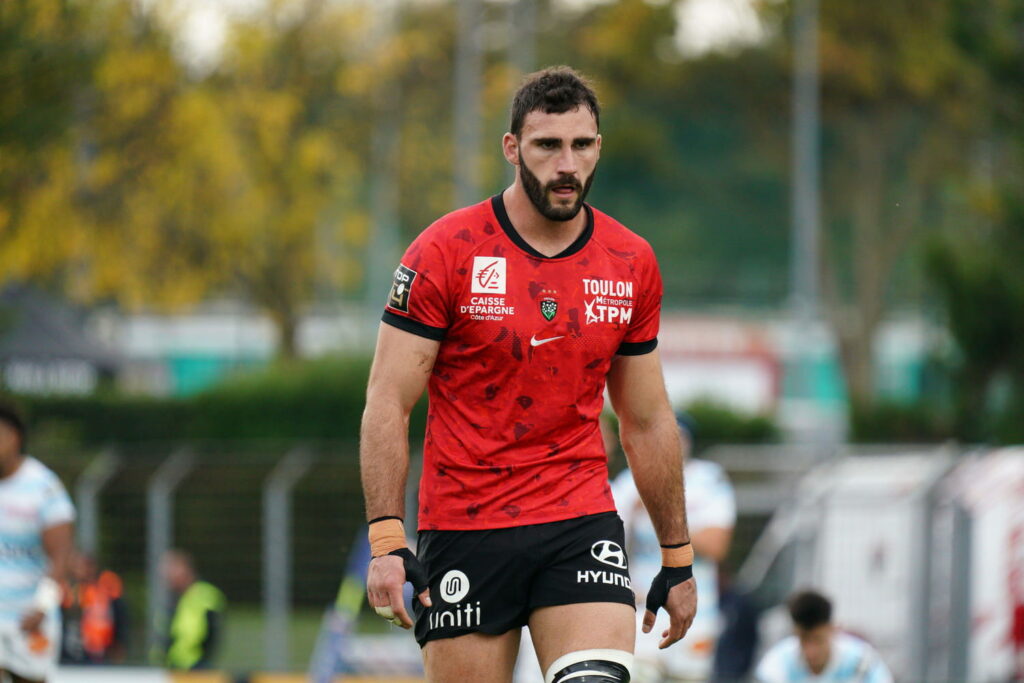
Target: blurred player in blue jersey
711	516
36	518
817	652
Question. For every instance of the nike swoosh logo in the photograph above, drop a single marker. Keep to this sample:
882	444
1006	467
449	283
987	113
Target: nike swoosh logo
537	342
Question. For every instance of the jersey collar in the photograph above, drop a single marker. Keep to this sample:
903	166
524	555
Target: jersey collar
498	205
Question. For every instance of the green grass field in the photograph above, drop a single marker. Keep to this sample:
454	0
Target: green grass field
243	647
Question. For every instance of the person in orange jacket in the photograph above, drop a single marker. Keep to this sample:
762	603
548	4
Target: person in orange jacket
95	617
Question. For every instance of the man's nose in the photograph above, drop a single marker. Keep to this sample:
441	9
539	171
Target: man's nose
566	161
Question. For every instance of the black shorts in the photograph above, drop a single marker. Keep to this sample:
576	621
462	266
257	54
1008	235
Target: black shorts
490	581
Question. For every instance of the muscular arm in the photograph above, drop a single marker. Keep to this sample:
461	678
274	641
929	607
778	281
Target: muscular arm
650	439
401	366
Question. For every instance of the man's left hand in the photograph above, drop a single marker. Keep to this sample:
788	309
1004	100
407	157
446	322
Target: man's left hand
681	604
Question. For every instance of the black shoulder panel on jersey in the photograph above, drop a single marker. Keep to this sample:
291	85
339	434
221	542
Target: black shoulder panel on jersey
414	326
637	348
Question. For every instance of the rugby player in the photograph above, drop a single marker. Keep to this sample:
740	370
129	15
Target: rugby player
818	652
36	534
514	314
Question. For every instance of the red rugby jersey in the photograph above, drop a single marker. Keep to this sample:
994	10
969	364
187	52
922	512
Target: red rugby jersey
526	343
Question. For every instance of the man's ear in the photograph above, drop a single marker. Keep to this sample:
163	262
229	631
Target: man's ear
510	148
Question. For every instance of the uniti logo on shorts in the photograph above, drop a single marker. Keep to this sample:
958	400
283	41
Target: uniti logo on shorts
488	276
454	587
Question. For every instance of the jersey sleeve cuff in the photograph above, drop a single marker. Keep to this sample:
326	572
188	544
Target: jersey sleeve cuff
414	326
637	348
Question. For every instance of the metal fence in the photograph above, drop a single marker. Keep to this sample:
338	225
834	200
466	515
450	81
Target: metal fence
270	524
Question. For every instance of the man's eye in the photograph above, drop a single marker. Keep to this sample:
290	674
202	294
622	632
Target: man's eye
547	144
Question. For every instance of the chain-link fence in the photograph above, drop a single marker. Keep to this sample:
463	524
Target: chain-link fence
272	525
888	534
269	524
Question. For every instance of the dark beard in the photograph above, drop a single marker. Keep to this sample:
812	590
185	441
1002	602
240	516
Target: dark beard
539	195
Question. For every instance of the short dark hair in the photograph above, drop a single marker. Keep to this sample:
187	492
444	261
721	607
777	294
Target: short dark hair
554	90
810	609
11	416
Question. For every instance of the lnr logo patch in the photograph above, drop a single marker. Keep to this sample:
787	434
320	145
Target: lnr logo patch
401	288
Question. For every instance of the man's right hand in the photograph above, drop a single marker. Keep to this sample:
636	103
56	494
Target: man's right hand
385	580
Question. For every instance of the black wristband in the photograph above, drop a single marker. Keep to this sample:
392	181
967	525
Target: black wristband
381	519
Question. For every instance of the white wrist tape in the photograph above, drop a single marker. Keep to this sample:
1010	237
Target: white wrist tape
47	595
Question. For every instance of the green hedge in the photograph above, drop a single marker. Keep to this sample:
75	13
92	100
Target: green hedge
104	418
928	423
887	422
317	399
716	423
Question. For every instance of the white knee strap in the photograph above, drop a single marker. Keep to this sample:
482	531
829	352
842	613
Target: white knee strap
620	657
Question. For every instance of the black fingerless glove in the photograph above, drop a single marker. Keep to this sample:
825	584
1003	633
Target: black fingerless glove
414	571
663	582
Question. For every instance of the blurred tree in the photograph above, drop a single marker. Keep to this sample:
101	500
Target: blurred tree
980	279
897	116
422	63
296	129
45	54
166	188
976	264
146	171
896	98
100	214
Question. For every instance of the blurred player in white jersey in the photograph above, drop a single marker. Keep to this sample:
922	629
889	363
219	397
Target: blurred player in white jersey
711	514
817	652
36	534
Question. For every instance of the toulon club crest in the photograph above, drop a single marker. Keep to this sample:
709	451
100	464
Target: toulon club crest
548	305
